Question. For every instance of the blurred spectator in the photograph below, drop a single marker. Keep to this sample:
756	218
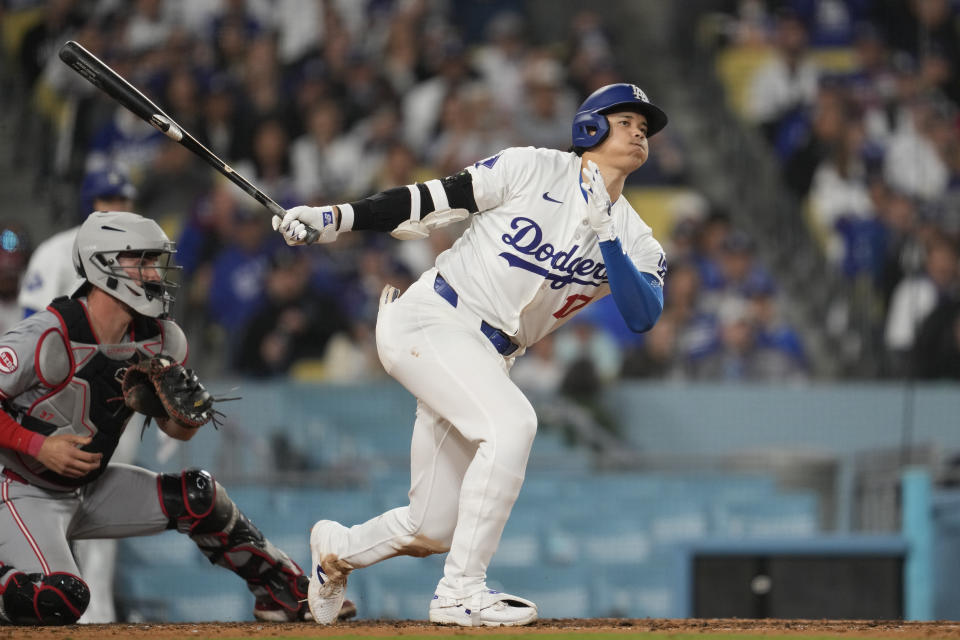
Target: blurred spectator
739	267
787	83
915	162
269	164
41	41
936	353
916	296
780	348
538	370
591	52
177	179
739	356
468	130
545	108
709	247
921	27
502	61
423	105
587	350
684	305
292	323
239	271
148	26
125	140
839	190
14	252
318	162
217	128
658	356
231	30
829	117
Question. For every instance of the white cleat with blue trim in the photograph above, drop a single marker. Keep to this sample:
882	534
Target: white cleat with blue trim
487	608
328	575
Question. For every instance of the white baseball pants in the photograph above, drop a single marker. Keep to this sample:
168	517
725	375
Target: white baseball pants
471	440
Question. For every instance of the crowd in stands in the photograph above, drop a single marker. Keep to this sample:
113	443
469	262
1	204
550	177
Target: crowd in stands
859	101
327	101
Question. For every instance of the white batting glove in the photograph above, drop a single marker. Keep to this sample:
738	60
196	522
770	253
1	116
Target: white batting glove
293	225
598	202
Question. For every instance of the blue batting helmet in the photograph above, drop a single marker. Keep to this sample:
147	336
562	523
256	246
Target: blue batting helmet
589	125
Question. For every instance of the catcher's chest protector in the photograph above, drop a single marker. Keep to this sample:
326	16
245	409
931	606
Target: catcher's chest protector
90	400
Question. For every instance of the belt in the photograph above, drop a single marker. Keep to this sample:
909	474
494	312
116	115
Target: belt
498	337
13	475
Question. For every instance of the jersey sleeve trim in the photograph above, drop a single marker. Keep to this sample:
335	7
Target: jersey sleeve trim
17	437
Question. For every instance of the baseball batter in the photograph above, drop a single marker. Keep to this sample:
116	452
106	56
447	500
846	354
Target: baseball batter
63	414
550	233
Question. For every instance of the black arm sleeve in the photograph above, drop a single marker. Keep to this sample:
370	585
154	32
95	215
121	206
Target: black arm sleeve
384	211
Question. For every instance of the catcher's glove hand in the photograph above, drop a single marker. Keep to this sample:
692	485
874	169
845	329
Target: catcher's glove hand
161	388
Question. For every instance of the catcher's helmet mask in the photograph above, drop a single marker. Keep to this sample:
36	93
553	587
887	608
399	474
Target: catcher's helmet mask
108	236
590	126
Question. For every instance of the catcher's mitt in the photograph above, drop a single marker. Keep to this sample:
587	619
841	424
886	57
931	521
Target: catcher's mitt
161	388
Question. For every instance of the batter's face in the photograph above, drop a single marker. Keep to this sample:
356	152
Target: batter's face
625	147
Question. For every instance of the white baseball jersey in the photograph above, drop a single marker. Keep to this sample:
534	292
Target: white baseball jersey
529	258
50	272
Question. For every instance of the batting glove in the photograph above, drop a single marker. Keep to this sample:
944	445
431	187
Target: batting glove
598	202
293	225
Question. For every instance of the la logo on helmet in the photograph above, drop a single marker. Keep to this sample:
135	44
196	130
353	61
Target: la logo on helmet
639	94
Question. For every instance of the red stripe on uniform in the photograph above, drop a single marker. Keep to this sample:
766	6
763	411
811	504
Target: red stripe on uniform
5	493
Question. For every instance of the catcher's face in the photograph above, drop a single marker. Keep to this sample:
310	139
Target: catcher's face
140	268
153	271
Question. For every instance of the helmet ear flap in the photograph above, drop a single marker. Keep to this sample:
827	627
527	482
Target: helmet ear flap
589	130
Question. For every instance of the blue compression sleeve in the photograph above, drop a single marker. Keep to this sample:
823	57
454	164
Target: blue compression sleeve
639	296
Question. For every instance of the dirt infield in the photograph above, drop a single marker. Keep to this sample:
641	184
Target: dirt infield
571	627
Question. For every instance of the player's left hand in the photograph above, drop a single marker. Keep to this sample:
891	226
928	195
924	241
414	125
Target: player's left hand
598	202
293	225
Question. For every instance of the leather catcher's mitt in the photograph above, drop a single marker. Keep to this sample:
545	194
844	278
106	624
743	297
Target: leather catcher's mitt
161	388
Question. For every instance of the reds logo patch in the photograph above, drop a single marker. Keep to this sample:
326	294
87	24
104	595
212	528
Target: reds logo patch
8	360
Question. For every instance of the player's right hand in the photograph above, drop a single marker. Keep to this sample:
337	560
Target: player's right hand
62	454
293	225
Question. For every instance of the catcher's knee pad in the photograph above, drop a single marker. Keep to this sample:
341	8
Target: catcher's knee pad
195	502
36	599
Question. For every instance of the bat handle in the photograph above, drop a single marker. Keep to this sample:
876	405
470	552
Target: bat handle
277	210
312	235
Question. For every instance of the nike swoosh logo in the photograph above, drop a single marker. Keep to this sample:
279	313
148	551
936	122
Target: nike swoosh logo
547	197
320	575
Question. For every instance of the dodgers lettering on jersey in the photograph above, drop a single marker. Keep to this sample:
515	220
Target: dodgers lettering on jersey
529	259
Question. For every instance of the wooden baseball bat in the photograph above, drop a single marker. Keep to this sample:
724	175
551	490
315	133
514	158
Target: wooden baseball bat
100	75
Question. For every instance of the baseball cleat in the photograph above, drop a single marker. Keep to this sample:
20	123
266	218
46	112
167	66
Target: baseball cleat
328	578
272	612
487	608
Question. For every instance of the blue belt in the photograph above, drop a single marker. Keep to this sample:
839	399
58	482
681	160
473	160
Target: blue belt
500	340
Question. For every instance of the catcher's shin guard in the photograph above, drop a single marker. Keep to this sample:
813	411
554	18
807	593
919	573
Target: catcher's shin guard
199	506
36	599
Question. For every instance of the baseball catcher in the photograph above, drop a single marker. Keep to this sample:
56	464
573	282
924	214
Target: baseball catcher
71	377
